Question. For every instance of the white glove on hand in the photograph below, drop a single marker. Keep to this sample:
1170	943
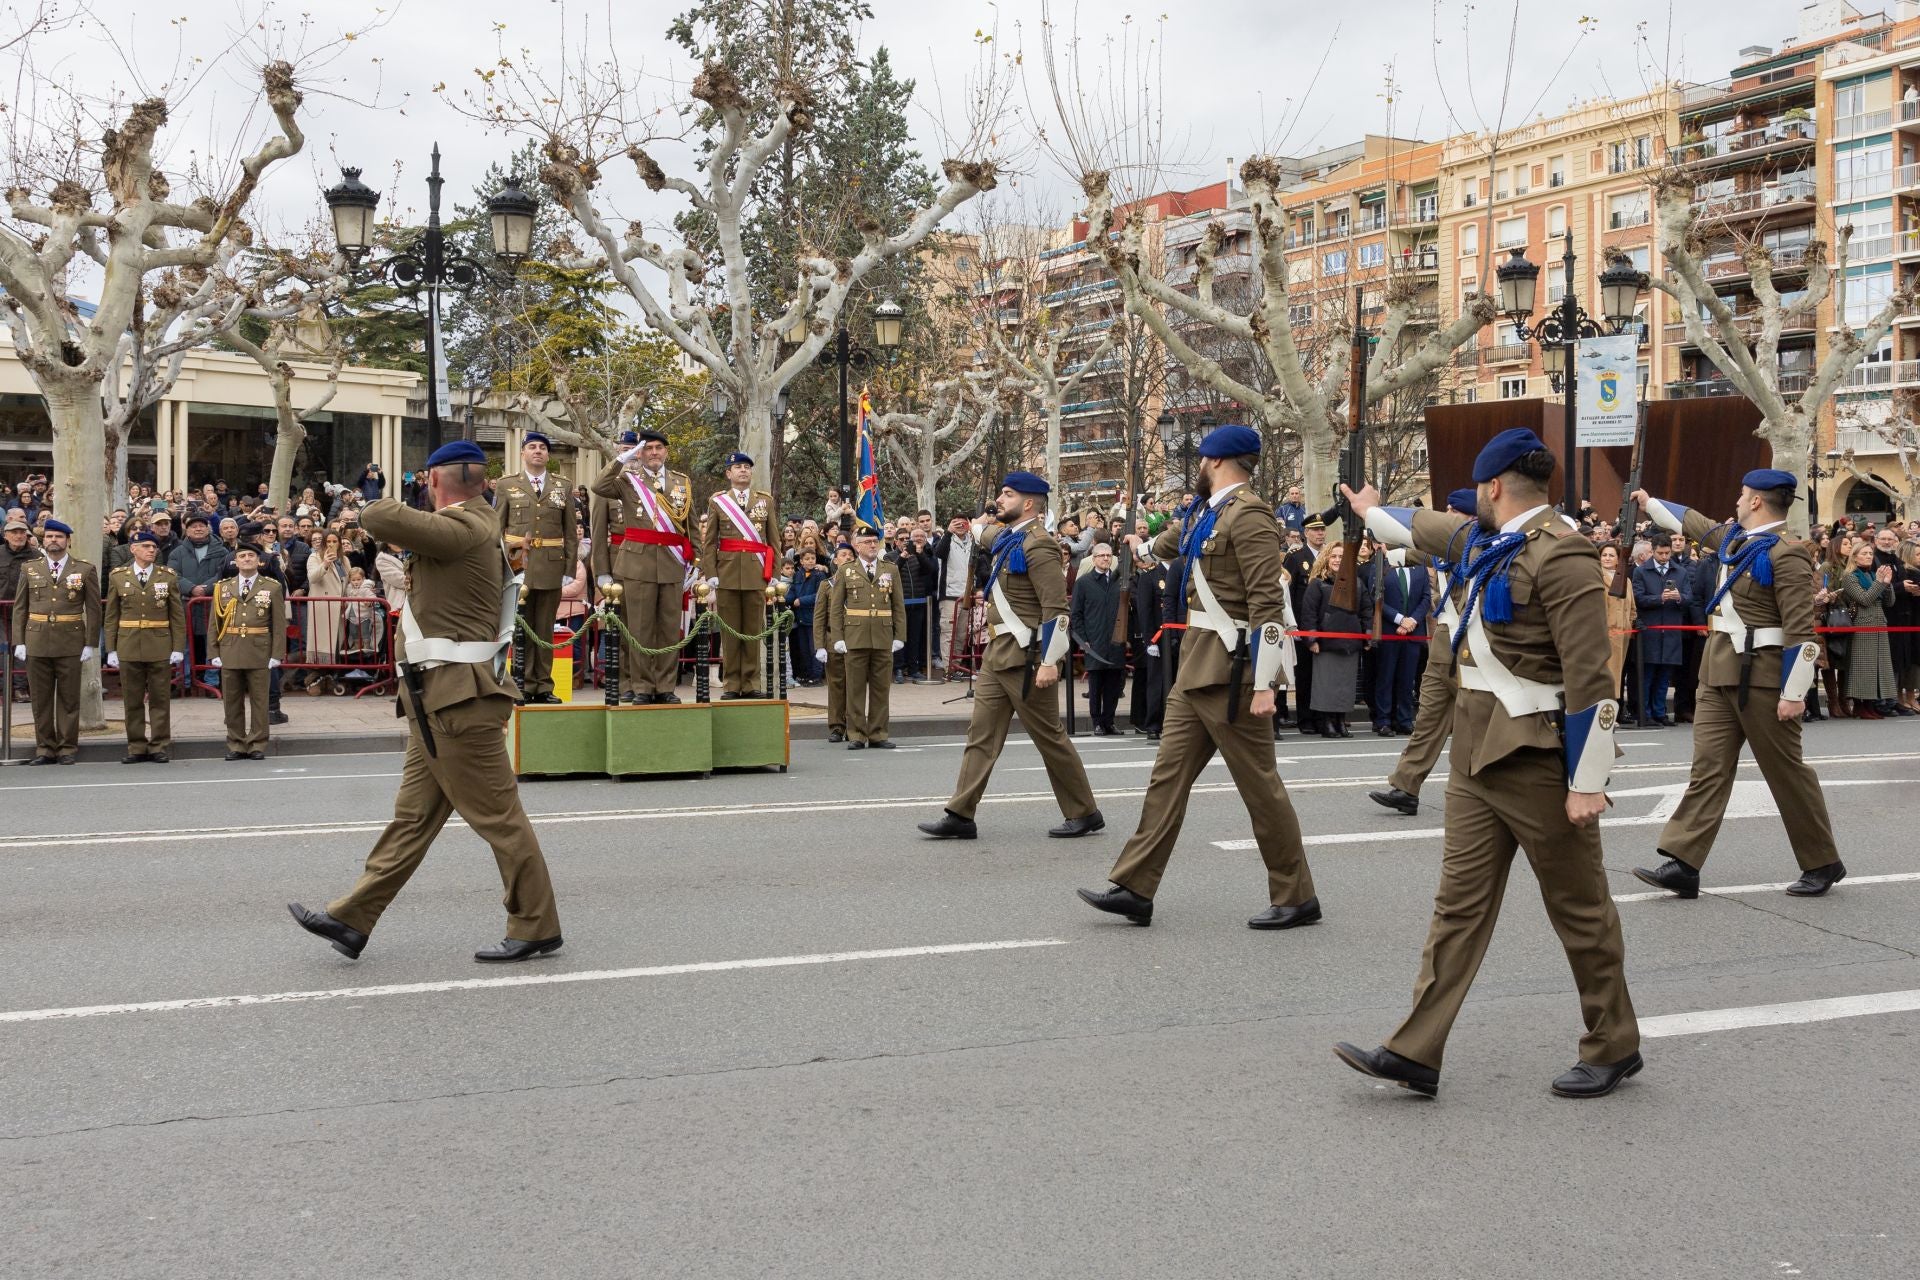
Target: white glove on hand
566	579
214	663
898	645
630	454
174	657
86	653
819	655
839	646
604	581
1153	651
113	659
19	653
272	663
713	584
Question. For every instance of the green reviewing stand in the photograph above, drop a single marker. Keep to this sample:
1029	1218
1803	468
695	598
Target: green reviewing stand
624	742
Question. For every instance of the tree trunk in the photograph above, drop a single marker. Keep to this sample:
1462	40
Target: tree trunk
114	472
1320	467
1792	442
286	446
1057	499
756	429
80	500
927	483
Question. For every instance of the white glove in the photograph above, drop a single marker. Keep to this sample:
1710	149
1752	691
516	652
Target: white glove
113	659
629	455
566	579
713	584
214	663
819	655
86	652
898	645
174	657
19	653
839	646
604	581
272	663
1153	651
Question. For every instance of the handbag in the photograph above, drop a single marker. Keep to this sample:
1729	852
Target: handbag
1839	615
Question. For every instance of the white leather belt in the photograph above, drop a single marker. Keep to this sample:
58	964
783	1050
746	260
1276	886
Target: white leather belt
1520	697
1737	631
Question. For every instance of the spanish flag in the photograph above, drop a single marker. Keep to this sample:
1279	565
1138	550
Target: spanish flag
866	510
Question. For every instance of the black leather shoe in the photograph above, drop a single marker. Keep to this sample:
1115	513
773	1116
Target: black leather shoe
236	755
348	942
664	698
1120	902
1586	1080
856	746
1812	884
836	736
69	759
1293	917
950	826
130	758
1673	875
1381	731
276	717
159	757
509	950
546	700
1153	735
1073	827
885	744
256	755
43	760
1344	732
1395	798
1384	1064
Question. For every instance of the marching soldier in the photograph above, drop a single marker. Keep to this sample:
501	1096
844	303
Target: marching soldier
249	640
1434	721
648	552
869	626
1532	751
1759	663
56	615
825	653
1232	663
146	636
535	507
457	695
737	552
1026	592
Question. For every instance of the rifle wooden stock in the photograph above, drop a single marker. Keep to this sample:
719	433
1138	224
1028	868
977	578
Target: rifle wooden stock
1353	461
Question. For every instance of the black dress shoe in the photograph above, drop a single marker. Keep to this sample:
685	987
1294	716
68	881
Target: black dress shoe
1120	902
159	757
1343	732
951	826
1381	731
348	942
546	700
130	758
1153	735
43	760
276	717
1293	917
508	950
1395	798
69	759
885	744
1073	827
236	755
856	746
1669	723
1587	1080
1384	1064
836	736
1673	875
1812	884
256	755
665	698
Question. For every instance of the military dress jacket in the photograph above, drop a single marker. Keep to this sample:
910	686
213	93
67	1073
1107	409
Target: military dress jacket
146	621
1787	604
823	634
541	524
1037	596
56	617
1440	631
630	558
741	570
868	613
249	627
1242	563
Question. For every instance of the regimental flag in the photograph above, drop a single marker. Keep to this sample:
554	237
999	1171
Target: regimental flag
866	510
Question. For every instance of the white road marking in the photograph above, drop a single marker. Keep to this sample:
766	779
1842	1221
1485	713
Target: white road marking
1778	1015
279	775
518	980
1848	883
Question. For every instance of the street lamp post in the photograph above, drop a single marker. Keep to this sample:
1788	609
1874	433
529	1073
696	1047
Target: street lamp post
1559	333
429	264
843	353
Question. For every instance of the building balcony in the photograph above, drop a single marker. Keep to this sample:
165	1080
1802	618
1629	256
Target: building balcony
1860	125
1798	320
1861	441
1108	445
1882	375
1792	382
1749	144
1791	260
1509	352
1225	265
1084	407
1622	220
1467	356
1079	295
1424	315
1772	198
1416	262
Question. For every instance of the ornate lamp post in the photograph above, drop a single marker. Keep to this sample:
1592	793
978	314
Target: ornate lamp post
843	353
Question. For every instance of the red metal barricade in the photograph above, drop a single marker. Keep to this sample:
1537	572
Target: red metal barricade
357	614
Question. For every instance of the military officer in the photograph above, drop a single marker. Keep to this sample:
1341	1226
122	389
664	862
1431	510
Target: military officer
456	694
1759	663
146	636
1232	663
825	653
1026	591
869	626
650	554
249	641
1434	721
737	553
56	616
1532	750
1299	566
535	507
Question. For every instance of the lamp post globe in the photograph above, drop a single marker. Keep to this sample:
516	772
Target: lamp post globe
1620	286
511	215
887	319
352	203
1518	279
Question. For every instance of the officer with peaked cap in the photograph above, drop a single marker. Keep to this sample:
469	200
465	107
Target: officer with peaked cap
535	507
1434	720
456	694
1232	663
1026	591
146	636
1532	751
56	616
739	550
648	551
1759	663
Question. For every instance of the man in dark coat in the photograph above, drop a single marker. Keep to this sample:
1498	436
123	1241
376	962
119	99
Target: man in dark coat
200	561
1098	622
1396	663
1146	599
1660	589
1693	644
1299	564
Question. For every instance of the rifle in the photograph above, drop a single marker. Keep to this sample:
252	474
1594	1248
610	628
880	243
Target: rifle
1628	508
1353	462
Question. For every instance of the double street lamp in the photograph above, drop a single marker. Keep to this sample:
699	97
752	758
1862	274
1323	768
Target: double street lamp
843	353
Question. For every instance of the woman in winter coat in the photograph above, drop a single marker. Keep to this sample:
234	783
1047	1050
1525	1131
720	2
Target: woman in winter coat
1621	613
1870	682
326	576
803	597
1336	662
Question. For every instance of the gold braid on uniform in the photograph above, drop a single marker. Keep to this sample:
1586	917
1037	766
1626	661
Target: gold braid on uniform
223	616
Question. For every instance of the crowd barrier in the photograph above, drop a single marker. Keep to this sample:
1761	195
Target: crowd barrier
360	620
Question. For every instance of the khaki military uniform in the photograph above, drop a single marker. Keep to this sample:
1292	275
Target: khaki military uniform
56	616
1433	721
1241	563
1721	724
249	631
146	625
1507	789
1037	596
823	638
641	558
743	576
869	614
539	524
459	572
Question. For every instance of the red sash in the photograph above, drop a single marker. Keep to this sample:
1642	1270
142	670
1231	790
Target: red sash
658	538
760	549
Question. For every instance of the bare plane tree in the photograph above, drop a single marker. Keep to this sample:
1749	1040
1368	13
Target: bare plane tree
931	446
1899	430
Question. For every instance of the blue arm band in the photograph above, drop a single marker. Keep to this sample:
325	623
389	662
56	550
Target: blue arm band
1589	746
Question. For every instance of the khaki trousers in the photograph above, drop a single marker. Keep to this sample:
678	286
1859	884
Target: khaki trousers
1719	729
837	691
996	696
54	686
1194	727
146	691
243	695
740	659
1519	802
869	693
471	776
1431	726
541	609
651	611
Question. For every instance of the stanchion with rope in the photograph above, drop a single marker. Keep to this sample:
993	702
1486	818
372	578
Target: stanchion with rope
610	656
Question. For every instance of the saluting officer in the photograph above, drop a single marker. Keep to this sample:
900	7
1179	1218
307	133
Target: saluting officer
650	554
1434	720
869	626
56	615
535	507
457	696
737	553
1759	663
824	651
146	636
1532	751
1026	591
1232	663
248	638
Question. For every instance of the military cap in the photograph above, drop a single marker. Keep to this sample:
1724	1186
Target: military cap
1465	501
55	526
457	451
144	536
1769	478
649	436
629	437
1230	441
536	437
735	458
1503	451
1026	482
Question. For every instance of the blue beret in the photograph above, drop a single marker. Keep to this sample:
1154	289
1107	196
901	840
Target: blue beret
536	437
1026	482
143	536
1465	501
54	526
844	546
252	529
1503	451
1768	478
735	458
457	451
629	437
1230	441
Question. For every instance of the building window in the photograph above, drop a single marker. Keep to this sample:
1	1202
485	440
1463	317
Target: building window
1514	388
1512	233
1628	209
1641	256
1372	255
1859	172
1299	314
1556	221
1469	395
1426	208
1642	152
1334	264
1520	184
1618	155
1557	172
1469	239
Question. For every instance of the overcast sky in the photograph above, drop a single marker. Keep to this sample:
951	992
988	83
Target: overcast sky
1239	75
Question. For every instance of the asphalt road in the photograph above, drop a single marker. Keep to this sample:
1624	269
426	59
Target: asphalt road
1097	1101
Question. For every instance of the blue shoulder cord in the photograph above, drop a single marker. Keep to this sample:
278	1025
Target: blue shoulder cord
1749	559
1192	538
1488	569
1001	557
